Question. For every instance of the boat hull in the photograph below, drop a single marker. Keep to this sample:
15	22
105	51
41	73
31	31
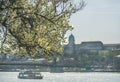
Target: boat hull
30	77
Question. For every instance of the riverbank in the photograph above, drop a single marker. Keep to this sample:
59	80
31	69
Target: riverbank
18	70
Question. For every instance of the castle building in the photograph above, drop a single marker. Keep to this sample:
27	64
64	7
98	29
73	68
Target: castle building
72	49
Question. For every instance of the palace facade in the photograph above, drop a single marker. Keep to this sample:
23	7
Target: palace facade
71	48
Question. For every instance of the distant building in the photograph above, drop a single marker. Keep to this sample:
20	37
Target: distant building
112	46
117	62
72	49
92	45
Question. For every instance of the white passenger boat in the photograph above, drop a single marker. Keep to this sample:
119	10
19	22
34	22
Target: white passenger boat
30	75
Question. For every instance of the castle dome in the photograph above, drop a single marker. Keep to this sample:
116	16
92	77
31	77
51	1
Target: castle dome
71	37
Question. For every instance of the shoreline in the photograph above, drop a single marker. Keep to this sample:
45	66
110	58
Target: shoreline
61	72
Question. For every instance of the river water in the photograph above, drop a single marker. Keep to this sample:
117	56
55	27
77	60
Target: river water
64	77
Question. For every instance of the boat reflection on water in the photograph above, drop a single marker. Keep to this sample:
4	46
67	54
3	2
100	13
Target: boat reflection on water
30	75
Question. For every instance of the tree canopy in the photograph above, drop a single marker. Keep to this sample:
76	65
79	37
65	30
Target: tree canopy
29	25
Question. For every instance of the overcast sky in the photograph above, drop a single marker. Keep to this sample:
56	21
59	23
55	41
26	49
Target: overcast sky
98	21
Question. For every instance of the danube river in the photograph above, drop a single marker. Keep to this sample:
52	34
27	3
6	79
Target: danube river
64	77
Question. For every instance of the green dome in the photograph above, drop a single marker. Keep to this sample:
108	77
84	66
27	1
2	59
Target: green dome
71	38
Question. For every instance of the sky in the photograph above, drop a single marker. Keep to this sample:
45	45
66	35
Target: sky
98	21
